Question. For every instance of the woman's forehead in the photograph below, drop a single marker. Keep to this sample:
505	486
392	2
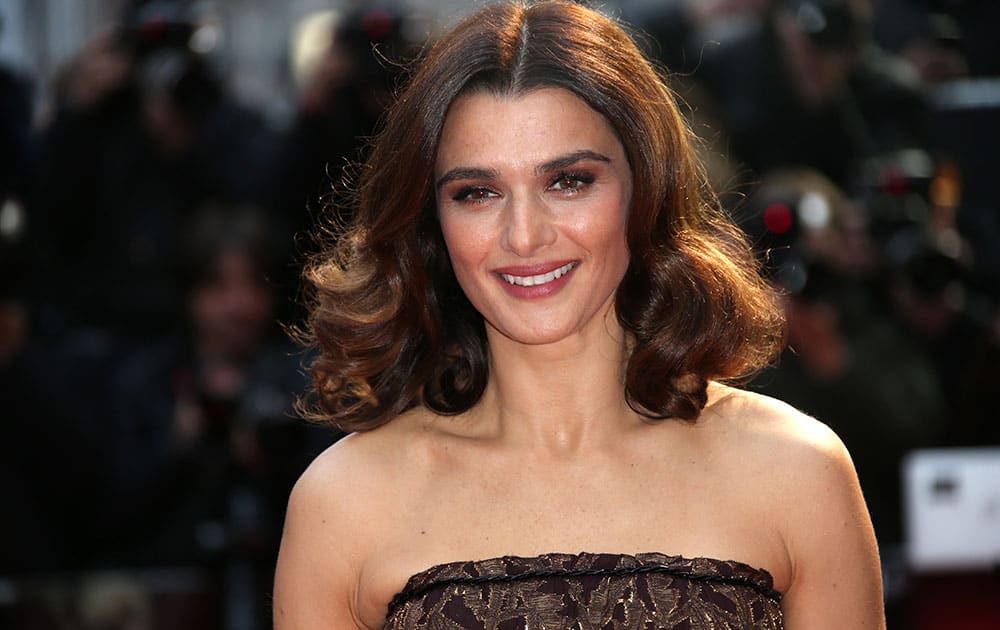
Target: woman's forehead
528	128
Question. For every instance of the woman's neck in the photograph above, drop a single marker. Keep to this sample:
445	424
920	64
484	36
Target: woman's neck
561	397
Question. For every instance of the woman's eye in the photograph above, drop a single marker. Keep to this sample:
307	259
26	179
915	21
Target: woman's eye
571	182
473	194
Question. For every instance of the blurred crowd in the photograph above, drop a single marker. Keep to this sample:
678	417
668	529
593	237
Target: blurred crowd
152	229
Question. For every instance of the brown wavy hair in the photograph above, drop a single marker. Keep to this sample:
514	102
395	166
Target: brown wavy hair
391	324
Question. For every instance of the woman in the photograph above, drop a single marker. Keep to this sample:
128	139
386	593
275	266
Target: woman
525	328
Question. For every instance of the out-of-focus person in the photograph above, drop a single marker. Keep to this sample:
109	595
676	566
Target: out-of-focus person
343	95
144	130
800	82
206	446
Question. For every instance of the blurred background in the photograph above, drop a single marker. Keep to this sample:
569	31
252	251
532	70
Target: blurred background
163	162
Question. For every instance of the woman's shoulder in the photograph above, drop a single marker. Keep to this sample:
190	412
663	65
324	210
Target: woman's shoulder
362	453
797	472
363	467
796	451
337	519
768	422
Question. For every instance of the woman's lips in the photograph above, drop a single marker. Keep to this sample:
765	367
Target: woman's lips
532	277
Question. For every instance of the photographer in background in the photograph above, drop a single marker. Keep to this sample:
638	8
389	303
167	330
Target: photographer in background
206	448
340	103
793	82
143	131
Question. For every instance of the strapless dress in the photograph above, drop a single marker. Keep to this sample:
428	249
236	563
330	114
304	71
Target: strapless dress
587	591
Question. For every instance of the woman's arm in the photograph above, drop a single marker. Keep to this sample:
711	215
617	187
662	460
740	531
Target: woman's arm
836	577
317	576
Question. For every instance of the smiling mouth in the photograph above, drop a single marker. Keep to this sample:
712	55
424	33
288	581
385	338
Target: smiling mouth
544	278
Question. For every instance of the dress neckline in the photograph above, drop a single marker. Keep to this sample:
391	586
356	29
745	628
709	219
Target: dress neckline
514	567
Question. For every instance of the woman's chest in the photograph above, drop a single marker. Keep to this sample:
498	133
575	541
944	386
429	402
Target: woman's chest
524	515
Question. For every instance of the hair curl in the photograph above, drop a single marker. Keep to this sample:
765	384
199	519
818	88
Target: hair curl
394	329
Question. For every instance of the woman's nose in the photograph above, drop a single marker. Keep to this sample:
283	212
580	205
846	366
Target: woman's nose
528	227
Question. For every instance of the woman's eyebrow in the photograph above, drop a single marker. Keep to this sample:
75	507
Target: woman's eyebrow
463	172
555	164
561	162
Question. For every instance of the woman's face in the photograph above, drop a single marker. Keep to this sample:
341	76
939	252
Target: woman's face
533	194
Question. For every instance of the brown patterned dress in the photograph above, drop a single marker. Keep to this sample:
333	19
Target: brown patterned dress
588	591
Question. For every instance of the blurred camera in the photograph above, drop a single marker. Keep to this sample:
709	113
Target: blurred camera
152	25
160	33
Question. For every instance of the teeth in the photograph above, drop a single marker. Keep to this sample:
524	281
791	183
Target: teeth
530	281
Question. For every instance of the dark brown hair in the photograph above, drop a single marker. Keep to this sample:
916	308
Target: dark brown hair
393	327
